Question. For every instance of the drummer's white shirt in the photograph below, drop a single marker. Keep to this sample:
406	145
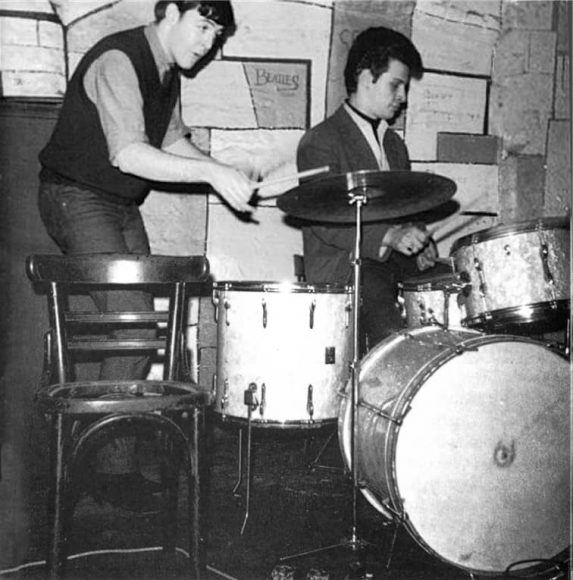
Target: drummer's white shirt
368	133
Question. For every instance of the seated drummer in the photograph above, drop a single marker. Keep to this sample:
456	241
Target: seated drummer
358	137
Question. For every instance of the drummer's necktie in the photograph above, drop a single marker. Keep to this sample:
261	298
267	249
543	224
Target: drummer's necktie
374	123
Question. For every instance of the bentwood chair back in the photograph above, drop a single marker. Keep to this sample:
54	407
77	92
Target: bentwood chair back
84	412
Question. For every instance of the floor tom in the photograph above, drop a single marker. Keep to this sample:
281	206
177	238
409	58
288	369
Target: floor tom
290	345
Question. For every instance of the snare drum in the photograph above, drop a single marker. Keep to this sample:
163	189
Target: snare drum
426	299
516	274
285	348
464	438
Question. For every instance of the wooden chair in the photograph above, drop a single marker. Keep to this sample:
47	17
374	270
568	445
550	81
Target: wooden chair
82	412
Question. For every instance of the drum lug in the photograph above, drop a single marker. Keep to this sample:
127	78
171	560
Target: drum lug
310	403
479	270
215	300
225	397
214	386
264	305
311	314
227	306
348	312
263	402
465	285
545	263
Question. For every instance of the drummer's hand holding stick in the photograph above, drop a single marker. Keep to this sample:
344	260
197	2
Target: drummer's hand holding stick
233	186
408	239
428	257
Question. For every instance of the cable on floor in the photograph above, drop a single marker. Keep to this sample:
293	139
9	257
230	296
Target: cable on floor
110	551
553	566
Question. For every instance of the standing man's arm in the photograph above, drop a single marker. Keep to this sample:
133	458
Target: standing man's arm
112	84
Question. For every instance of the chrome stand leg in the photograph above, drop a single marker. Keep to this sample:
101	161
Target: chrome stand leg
392	545
248	494
314	463
252	403
240	464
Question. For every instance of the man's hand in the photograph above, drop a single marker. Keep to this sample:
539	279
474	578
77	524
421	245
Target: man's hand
408	239
427	257
232	185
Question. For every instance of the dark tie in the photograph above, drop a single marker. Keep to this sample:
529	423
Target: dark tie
167	77
374	123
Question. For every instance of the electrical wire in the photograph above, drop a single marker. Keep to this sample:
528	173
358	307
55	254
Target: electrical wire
110	551
552	565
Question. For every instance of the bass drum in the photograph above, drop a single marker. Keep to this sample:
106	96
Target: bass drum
464	438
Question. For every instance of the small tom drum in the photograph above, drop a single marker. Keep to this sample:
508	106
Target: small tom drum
464	438
515	275
283	351
431	300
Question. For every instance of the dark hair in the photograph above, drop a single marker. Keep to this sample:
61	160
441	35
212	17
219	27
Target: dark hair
219	11
373	49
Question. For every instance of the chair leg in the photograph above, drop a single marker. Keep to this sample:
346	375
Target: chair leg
56	555
170	480
194	500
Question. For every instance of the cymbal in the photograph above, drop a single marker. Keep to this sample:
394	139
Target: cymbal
387	194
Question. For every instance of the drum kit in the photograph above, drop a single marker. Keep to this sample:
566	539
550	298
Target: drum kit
455	428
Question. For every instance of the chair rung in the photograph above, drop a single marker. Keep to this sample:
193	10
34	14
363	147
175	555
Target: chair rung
115	317
108	344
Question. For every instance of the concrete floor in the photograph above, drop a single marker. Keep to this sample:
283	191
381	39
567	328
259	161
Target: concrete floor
293	509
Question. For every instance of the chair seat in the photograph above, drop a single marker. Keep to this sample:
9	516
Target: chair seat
104	397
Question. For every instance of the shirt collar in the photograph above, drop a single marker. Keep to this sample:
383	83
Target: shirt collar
159	54
363	120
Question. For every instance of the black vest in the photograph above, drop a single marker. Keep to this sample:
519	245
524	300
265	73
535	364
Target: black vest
77	151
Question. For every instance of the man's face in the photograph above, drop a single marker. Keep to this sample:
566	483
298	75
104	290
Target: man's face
191	37
385	97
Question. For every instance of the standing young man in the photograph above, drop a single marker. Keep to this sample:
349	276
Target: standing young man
119	130
358	137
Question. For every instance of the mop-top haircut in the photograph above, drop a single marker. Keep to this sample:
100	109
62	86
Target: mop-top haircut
219	11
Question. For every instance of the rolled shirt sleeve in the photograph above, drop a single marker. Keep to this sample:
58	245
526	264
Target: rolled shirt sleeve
111	83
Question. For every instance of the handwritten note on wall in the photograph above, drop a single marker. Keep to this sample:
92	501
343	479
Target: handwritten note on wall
443	103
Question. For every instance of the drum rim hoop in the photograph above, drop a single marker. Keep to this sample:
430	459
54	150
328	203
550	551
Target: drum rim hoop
502	231
282	287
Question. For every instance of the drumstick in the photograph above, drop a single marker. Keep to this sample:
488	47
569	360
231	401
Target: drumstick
300	175
453	230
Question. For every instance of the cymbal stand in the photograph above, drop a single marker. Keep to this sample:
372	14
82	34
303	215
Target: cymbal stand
357	197
358	200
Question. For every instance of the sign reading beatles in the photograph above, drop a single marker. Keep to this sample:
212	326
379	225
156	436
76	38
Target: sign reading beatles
280	92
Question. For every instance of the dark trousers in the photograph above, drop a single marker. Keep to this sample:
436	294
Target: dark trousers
82	222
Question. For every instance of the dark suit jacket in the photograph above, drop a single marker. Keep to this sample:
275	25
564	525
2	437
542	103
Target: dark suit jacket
339	143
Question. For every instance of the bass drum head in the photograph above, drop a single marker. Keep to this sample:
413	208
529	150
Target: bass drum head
482	458
478	470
